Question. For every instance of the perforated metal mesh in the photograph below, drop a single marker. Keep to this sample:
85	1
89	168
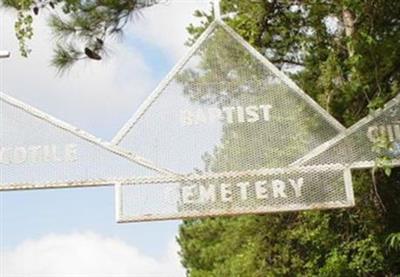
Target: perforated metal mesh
37	151
226	108
358	145
236	193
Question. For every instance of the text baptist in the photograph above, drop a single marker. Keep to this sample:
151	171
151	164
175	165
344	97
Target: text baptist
230	115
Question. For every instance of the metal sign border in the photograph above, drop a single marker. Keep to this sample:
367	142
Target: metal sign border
120	218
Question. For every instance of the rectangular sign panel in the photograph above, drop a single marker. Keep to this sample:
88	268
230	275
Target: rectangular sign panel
273	190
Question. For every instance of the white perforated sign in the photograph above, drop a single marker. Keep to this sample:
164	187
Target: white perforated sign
226	108
224	111
263	191
38	151
226	133
357	145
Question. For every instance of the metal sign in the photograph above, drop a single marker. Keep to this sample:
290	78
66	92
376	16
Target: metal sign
357	146
226	133
39	151
222	112
262	191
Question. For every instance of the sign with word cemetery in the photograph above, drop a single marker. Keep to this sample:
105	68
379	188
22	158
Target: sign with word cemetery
225	133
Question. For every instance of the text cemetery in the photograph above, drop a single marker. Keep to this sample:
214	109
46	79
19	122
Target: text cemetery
228	192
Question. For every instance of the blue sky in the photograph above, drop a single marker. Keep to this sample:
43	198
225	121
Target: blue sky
98	98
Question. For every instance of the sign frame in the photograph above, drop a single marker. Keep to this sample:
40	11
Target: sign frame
347	177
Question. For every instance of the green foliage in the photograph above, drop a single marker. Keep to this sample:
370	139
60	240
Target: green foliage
81	28
349	69
393	241
382	146
23	24
23	31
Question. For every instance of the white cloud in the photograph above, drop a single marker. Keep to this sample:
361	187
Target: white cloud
165	24
86	255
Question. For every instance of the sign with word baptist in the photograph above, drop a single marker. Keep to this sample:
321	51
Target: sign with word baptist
225	133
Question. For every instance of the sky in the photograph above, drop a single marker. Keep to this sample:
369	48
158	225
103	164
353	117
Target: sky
72	232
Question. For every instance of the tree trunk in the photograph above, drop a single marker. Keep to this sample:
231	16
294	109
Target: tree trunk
349	28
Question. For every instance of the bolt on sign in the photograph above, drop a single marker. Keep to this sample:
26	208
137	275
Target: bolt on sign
374	137
38	151
225	110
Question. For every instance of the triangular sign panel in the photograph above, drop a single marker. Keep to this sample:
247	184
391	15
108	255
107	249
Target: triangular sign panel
38	151
374	137
226	108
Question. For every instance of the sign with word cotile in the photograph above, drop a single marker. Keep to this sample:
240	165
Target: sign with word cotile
39	151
